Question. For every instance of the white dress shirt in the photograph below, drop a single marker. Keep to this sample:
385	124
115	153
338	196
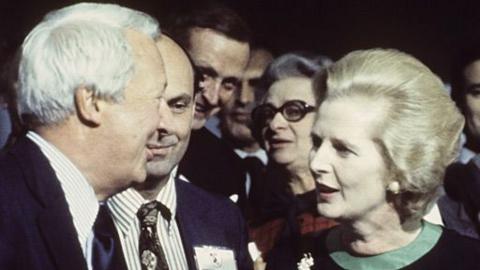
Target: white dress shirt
124	207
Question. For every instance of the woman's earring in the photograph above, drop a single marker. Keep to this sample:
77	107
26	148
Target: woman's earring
394	187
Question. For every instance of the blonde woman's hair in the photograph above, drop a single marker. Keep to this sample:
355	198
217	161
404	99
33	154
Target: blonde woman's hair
420	131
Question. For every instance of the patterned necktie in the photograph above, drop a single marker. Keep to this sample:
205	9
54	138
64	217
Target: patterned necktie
106	253
152	256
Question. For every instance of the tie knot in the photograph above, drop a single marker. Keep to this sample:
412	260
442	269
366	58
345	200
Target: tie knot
148	213
103	223
253	163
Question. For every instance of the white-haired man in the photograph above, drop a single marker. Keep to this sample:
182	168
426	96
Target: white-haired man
90	81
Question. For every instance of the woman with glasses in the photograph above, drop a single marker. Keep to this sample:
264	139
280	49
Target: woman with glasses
385	132
282	123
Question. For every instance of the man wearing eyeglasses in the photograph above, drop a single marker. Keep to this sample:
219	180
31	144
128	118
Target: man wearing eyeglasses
217	40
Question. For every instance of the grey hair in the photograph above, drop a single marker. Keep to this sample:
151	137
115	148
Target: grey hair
298	64
82	45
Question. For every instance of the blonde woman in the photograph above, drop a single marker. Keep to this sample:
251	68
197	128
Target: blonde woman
384	133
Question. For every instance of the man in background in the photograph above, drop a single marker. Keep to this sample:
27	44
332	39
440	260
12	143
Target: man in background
460	207
188	223
217	40
235	126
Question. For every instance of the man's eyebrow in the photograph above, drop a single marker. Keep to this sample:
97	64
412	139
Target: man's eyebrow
254	81
473	87
233	80
209	71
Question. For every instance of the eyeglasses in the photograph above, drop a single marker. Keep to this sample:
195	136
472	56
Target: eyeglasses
292	111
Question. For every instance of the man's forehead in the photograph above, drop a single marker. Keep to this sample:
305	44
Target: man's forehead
212	50
177	66
173	55
472	72
141	43
253	73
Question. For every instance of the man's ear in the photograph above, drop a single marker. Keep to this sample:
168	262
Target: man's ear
88	109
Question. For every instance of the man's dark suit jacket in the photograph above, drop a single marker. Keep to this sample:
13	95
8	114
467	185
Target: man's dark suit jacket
462	187
211	164
36	228
206	219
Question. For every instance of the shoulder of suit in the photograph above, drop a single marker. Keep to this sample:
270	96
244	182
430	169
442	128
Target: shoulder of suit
188	191
12	159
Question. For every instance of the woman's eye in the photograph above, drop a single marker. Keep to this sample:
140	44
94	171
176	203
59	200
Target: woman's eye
342	149
293	112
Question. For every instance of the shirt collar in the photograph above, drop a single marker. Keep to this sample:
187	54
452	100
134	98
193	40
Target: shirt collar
124	206
80	196
260	154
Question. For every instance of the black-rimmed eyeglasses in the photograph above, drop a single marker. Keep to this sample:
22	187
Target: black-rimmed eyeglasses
292	111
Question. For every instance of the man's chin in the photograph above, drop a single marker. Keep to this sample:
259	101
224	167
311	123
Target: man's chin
198	123
154	176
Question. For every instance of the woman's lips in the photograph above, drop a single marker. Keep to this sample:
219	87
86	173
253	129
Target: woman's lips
278	143
324	191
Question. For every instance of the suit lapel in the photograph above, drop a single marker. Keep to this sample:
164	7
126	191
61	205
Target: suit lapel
54	220
60	237
187	242
182	221
189	222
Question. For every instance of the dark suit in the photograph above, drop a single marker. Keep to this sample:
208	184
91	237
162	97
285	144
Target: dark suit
36	228
461	204
206	219
211	164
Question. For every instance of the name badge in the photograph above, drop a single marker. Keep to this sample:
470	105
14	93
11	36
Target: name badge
214	258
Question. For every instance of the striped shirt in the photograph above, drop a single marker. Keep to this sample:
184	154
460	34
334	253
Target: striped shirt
80	196
124	207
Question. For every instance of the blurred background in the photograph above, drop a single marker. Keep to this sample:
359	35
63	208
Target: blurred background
430	30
